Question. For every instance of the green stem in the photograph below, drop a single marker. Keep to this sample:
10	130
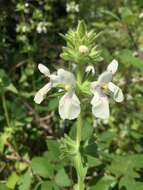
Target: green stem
78	160
79	128
5	110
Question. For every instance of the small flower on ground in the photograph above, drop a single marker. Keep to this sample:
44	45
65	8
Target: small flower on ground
69	104
103	87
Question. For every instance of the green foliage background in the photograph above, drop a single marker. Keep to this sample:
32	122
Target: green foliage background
29	147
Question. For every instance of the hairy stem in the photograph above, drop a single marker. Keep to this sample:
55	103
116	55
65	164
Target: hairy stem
78	160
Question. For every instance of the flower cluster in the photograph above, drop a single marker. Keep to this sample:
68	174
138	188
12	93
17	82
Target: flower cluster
69	103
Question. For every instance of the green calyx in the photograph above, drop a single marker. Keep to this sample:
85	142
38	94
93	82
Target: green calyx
80	46
84	88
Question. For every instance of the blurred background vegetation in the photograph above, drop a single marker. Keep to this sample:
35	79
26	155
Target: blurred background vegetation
29	148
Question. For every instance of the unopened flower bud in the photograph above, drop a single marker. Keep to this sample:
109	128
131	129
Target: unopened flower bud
83	49
89	69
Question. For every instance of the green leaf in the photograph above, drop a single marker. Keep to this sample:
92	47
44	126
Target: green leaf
41	166
12	88
3	140
92	161
87	130
12	180
62	179
25	181
53	104
46	185
127	15
130	183
81	29
126	165
104	183
3	187
54	146
127	58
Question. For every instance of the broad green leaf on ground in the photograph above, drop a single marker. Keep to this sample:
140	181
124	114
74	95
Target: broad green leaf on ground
130	183
126	165
105	183
53	104
87	130
62	179
42	167
46	185
11	88
127	15
12	180
54	146
3	187
127	58
92	161
25	181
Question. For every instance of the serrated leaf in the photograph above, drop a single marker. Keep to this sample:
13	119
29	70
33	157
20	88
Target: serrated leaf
62	179
41	166
46	185
3	187
25	181
126	57
92	161
54	146
130	183
11	88
81	29
53	104
12	180
126	165
104	183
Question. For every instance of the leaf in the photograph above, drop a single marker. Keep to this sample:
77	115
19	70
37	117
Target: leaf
126	165
81	29
3	140
46	185
12	180
104	183
54	146
130	183
87	130
127	58
62	179
12	88
25	181
53	104
92	161
41	166
3	187
127	15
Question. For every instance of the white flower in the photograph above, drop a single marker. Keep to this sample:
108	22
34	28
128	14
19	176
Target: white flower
141	15
42	27
101	88
69	104
72	7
